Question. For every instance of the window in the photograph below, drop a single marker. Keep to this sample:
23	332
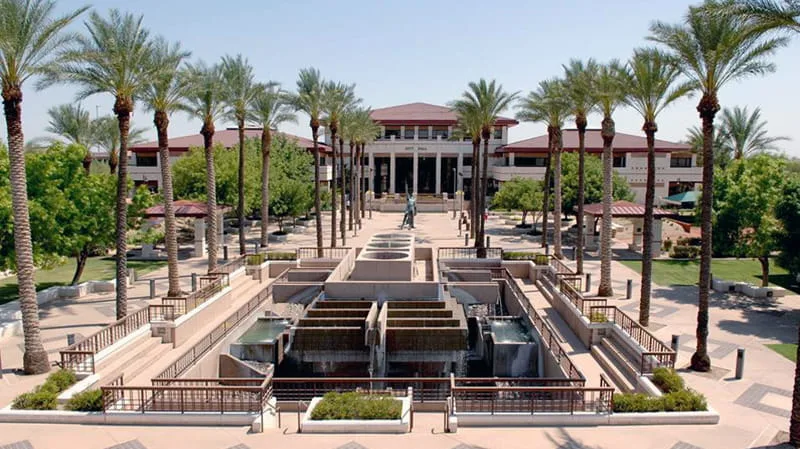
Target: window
440	131
321	161
498	133
467	160
422	133
619	161
146	160
530	161
409	133
391	132
680	162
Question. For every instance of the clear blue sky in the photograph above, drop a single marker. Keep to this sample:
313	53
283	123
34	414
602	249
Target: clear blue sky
402	52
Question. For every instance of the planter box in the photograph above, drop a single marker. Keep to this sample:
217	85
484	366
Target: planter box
402	425
278	238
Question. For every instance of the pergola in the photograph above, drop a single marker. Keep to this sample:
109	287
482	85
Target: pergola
198	210
632	211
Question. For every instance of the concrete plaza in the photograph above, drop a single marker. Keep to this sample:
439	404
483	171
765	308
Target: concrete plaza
754	411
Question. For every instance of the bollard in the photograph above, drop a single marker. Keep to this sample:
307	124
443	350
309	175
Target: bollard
131	275
70	339
194	282
255	248
152	288
588	281
466	239
546	249
225	252
739	363
675	343
488	242
629	290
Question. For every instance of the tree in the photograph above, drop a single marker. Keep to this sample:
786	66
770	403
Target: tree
487	100
114	58
652	80
768	15
523	194
722	157
469	127
787	210
578	87
269	108
744	134
593	188
290	182
368	131
549	104
163	95
106	137
309	100
238	90
30	34
72	123
203	101
712	50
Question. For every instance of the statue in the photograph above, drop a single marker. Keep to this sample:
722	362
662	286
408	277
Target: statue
411	210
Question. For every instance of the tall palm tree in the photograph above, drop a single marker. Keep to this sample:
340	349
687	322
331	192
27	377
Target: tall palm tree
768	14
114	58
73	123
469	127
30	34
550	104
722	156
744	133
106	137
368	132
489	100
270	108
238	90
203	100
610	93
652	80
712	50
350	131
163	95
578	84
337	98
309	99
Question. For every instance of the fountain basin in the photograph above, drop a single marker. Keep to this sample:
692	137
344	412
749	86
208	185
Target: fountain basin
383	255
388	244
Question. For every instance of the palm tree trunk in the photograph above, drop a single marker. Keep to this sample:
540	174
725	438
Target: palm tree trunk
359	182
480	238
87	161
266	144
607	132
34	358
240	206
707	108
794	420
317	203
333	187
122	108
473	203
650	129
211	195
580	242
546	196
352	190
80	264
557	196
343	218
363	206
113	161
170	230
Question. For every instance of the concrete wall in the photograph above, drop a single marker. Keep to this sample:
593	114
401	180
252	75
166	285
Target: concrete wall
276	267
572	316
188	325
485	292
284	291
383	290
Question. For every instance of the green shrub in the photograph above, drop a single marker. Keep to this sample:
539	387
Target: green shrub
255	259
60	380
667	380
281	255
520	255
86	401
678	401
667	245
39	399
598	317
354	405
684	401
684	252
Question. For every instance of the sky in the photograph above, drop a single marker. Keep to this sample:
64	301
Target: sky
425	51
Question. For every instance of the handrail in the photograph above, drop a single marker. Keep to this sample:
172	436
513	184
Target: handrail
467	252
337	253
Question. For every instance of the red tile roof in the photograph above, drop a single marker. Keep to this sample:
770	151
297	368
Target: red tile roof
423	114
227	137
623	209
183	208
594	143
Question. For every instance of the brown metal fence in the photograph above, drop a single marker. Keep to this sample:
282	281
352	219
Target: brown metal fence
467	253
322	253
181	398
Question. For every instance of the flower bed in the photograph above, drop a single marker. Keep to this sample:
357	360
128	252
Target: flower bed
45	396
676	397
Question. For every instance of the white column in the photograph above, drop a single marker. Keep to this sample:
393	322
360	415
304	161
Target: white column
511	159
430	132
460	169
402	131
199	237
416	132
505	134
438	172
392	169
372	172
416	170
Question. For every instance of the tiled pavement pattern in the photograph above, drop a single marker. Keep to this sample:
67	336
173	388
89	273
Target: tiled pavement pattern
351	445
133	444
754	397
18	445
657	310
717	349
684	445
240	446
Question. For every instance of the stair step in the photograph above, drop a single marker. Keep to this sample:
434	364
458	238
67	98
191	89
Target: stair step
608	361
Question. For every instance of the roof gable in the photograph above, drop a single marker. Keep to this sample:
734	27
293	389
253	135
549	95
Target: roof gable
423	114
594	142
229	138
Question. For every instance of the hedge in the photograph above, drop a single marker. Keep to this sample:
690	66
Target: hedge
354	405
677	401
281	255
86	401
667	380
684	252
45	396
520	255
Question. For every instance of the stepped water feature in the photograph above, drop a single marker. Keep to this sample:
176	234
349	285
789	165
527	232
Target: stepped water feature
386	257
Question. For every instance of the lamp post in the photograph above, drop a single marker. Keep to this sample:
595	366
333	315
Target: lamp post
371	193
455	187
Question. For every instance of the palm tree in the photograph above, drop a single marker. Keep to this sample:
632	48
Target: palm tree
29	37
550	104
163	95
768	14
488	100
114	58
578	84
238	90
711	50
744	134
106	137
722	156
610	93
368	130
270	108
469	127
309	99
203	100
652	80
73	123
350	131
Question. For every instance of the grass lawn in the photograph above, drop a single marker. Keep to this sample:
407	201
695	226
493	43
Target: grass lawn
686	272
787	350
97	269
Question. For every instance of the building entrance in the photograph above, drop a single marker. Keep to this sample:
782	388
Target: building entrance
404	175
381	176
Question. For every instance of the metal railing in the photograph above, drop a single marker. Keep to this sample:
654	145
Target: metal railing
337	253
209	286
532	400
231	266
80	355
161	312
467	253
425	389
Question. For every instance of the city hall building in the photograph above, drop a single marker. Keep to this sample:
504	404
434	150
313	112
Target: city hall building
416	152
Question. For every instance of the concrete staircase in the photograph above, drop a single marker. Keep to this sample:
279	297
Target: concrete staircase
618	363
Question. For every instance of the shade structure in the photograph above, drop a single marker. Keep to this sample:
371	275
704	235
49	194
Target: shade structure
184	209
623	209
691	196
